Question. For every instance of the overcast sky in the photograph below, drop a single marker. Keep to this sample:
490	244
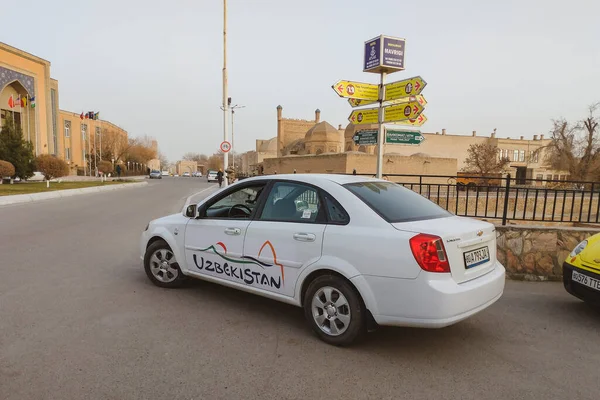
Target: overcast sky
154	67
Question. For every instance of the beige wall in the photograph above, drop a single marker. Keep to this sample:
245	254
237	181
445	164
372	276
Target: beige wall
363	163
186	166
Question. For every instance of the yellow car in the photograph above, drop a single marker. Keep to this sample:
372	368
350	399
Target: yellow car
581	271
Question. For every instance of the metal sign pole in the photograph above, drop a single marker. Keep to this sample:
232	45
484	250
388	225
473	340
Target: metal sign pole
381	135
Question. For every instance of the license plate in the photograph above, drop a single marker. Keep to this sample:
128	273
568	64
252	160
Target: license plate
476	257
586	280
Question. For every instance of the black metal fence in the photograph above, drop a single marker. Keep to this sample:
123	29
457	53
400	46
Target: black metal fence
508	198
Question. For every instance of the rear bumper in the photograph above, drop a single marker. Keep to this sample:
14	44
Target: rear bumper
431	300
578	290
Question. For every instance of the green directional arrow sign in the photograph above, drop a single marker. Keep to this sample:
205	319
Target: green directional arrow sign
365	137
393	136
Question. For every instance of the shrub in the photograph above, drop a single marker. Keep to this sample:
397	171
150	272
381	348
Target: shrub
105	167
14	149
6	170
51	166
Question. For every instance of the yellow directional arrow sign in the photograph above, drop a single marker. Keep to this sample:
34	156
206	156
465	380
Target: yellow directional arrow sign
402	112
357	90
407	87
368	116
359	102
419	121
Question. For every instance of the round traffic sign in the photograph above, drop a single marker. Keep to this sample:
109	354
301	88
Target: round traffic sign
350	89
408	88
360	117
407	111
225	146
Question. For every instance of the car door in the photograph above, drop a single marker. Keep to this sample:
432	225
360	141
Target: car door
214	241
286	235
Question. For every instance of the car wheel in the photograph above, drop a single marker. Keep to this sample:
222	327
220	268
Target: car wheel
335	310
161	266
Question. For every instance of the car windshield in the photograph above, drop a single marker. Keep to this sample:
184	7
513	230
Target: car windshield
395	203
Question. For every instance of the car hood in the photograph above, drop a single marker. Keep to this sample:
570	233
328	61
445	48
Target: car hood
170	220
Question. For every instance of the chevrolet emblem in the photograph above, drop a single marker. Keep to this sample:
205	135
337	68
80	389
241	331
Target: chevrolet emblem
479	233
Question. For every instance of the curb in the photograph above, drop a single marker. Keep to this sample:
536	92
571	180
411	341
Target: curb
29	198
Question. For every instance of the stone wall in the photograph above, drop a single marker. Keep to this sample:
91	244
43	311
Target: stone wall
535	252
363	163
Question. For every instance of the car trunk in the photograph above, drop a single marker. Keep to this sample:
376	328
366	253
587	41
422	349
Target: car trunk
470	244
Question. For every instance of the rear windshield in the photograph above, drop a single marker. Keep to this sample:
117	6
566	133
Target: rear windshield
395	203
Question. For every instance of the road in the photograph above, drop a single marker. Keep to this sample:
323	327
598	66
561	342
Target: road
80	320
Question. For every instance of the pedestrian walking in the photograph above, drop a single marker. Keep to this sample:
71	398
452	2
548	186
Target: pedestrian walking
119	171
220	177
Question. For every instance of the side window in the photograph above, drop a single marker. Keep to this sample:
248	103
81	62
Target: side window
335	213
239	204
292	202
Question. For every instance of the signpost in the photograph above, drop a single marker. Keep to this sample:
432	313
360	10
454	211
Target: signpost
419	121
368	116
357	90
393	136
360	102
402	112
407	87
403	101
366	137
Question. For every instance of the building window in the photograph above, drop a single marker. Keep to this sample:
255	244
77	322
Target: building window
533	156
556	177
549	177
522	155
67	128
563	177
516	155
84	132
67	154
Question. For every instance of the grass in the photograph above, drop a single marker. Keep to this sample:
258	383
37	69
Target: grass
38	187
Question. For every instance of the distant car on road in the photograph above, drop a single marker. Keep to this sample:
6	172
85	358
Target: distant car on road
186	174
354	252
197	174
581	271
165	173
155	174
211	176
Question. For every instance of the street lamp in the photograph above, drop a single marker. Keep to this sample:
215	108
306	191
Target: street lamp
226	100
233	108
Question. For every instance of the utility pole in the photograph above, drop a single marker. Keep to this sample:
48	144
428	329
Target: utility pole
226	101
232	145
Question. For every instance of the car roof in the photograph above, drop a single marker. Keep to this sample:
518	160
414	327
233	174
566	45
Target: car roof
316	179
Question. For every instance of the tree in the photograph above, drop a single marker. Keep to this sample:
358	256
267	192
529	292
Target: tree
114	145
6	170
51	166
575	147
483	159
16	150
215	161
199	158
164	162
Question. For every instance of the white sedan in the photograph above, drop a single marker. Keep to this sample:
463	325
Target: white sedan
353	252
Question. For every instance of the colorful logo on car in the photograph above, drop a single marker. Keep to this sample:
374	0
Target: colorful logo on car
235	267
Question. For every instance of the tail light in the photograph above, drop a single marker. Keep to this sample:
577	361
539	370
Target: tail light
430	253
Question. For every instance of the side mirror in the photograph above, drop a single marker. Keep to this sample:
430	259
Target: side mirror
191	211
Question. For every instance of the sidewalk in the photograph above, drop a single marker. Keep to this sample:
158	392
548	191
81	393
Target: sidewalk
29	198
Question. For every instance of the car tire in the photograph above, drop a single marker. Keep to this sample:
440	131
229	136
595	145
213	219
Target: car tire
335	310
165	275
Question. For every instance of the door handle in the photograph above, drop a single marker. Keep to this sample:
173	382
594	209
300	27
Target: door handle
233	231
305	237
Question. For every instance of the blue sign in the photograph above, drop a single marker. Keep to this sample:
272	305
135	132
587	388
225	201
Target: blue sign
393	53
372	54
384	54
